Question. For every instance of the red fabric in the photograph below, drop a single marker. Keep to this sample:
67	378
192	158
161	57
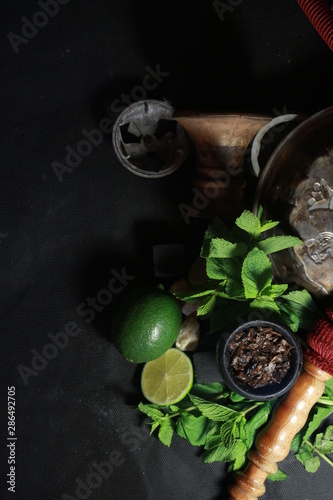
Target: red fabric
320	340
321	18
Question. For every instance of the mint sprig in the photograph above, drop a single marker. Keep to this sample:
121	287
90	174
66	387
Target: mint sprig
223	423
312	446
310	454
240	277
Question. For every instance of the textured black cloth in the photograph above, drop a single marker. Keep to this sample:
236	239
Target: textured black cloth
68	230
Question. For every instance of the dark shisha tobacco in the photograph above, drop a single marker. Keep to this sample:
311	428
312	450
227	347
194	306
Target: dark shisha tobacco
260	356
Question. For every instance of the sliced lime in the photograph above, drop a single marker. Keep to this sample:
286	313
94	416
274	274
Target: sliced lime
167	379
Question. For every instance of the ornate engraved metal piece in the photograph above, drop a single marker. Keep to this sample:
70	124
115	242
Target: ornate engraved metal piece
321	196
296	188
320	248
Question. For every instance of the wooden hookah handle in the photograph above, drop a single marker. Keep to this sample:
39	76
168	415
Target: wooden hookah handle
273	442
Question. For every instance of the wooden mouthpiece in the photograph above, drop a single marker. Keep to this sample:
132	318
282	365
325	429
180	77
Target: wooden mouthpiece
273	442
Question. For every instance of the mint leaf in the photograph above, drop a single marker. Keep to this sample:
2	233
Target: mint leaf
329	388
274	291
242	434
316	417
324	444
278	243
235	398
165	432
229	432
213	411
277	476
192	428
217	454
225	249
213	441
288	316
307	459
256	273
215	269
237	454
321	412
249	223
206	306
296	442
208	391
234	289
305	454
268	224
260	213
301	304
302	298
233	269
328	436
217	229
159	419
265	303
318	440
298	309
193	296
154	426
151	411
257	421
222	269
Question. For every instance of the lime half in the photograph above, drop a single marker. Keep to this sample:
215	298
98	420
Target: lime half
167	379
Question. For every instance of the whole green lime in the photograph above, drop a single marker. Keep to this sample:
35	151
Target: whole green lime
146	324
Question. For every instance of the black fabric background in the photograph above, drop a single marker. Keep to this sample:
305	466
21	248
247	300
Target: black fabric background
60	241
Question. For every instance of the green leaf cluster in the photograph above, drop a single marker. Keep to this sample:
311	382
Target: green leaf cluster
223	423
240	278
309	444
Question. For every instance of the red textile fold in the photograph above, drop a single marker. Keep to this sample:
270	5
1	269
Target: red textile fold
320	340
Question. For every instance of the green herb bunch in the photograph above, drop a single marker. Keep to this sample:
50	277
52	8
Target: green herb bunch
225	424
239	280
239	275
310	445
